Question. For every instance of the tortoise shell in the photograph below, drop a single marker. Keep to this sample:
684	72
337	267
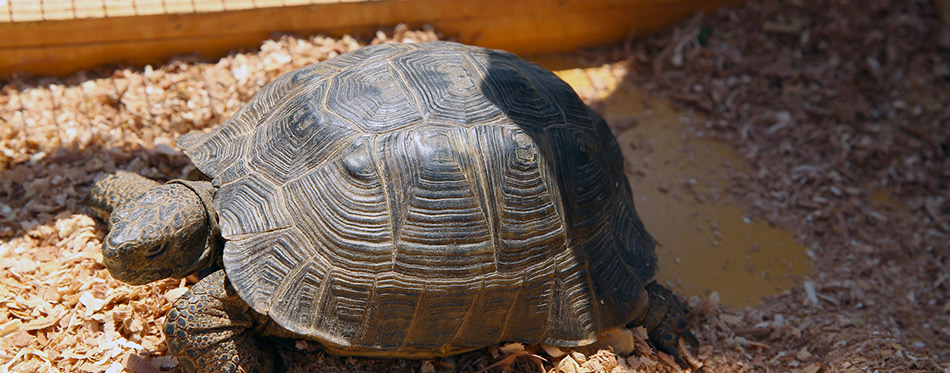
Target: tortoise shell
430	197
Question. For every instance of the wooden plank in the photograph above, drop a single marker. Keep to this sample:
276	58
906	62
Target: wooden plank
330	16
139	53
525	27
321	16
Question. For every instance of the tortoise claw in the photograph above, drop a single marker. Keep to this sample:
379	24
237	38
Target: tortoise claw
665	339
676	357
690	338
666	323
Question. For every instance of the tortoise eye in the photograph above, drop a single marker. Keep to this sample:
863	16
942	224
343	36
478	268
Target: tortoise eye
156	250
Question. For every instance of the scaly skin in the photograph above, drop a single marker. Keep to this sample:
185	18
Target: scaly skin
159	231
162	233
110	191
665	322
211	329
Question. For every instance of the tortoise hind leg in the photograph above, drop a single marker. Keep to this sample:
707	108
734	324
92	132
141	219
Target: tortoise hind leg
665	322
210	329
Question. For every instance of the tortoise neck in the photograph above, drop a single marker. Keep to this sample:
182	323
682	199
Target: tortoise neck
213	247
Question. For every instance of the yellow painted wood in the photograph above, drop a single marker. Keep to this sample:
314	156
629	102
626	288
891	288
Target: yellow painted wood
92	33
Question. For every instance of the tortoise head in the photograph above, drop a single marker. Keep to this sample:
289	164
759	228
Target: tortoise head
165	232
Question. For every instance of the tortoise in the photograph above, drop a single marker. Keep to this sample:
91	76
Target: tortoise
397	201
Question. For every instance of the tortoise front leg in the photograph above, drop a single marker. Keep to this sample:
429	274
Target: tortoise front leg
210	329
113	190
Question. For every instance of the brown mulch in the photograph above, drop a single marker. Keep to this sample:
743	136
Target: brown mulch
841	109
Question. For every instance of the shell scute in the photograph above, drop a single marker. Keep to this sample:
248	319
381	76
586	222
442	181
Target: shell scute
373	98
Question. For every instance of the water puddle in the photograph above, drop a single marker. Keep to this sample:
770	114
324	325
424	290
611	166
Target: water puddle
706	241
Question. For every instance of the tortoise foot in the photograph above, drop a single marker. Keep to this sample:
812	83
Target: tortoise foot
208	329
665	321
